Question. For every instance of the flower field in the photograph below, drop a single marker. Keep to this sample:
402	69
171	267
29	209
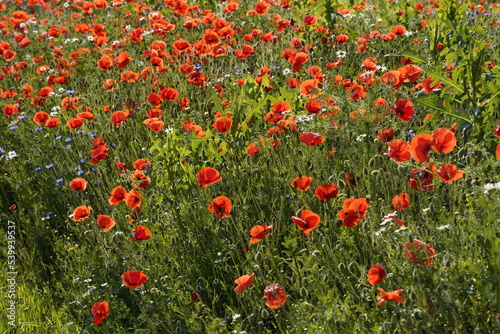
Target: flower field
235	166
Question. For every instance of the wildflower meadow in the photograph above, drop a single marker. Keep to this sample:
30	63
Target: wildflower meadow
230	166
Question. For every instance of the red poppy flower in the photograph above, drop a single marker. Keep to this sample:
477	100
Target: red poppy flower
307	222
106	222
154	124
142	164
141	233
261	7
326	191
207	176
275	296
419	252
385	135
41	117
497	152
311	139
376	274
169	94
259	232
410	73
401	201
443	140
52	123
496	132
99	150
252	150
133	199
448	172
420	146
353	211
392	78
118	195
134	279
74	123
421	179
99	312
78	184
393	295
403	108
243	282
122	60
220	206
301	183
223	124
399	150
81	213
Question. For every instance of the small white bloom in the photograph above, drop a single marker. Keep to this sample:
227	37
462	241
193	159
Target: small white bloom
442	227
11	155
341	54
360	137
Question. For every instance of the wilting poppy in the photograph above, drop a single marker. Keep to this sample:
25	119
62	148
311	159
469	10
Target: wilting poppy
443	140
220	206
243	282
106	222
403	108
259	232
99	312
78	184
307	222
353	211
420	146
81	213
133	199
448	172
134	279
302	183
393	295
326	191
207	176
311	139
275	296
399	150
401	201
376	274
419	252
118	195
141	233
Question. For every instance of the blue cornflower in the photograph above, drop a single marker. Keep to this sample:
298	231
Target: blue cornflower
38	169
13	127
67	140
49	166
